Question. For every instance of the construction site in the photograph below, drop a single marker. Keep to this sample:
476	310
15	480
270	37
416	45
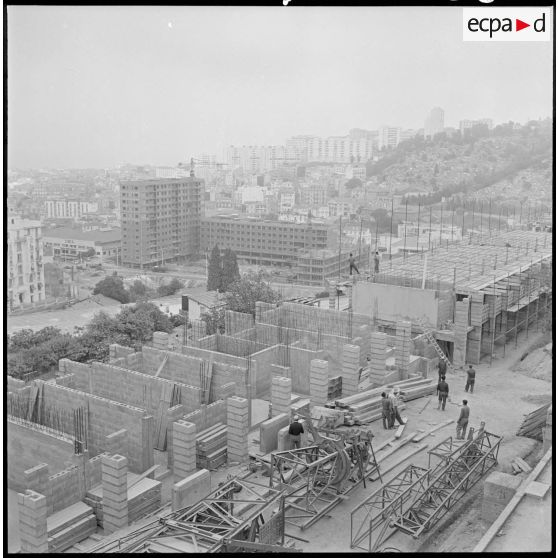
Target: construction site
187	448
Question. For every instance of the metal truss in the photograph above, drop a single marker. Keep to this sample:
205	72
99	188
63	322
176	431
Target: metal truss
458	469
236	511
370	519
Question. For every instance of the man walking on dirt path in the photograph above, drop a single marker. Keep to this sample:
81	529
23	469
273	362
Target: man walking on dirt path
463	421
352	264
443	392
470	378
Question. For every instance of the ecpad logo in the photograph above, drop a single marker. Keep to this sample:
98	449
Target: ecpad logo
507	24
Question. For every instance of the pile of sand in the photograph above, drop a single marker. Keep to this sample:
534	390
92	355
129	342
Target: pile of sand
537	364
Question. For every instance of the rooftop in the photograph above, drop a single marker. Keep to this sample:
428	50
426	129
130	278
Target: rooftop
209	299
77	234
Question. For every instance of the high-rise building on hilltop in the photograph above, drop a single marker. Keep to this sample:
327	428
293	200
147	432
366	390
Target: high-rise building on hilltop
160	220
434	123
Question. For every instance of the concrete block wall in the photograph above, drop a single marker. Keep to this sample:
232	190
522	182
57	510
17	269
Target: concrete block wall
181	368
445	306
208	415
299	361
183	448
68	380
79	370
119	351
403	348
281	390
281	371
32	508
499	488
28	444
104	416
160	340
319	373
36	479
237	321
378	346
117	442
191	490
261	362
115	492
364	342
224	391
474	345
173	414
93	471
14	384
65	488
237	429
199	329
349	372
269	430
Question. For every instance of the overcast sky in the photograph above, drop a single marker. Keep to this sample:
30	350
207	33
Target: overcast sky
96	86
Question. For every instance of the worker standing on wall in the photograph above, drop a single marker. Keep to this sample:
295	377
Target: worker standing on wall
352	264
443	392
295	430
471	373
463	421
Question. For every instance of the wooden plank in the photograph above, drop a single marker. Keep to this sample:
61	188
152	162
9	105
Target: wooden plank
397	447
401	460
162	365
523	465
432	430
142	476
399	431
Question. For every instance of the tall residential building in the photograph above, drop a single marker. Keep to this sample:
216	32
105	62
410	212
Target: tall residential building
434	123
26	275
389	137
57	209
160	220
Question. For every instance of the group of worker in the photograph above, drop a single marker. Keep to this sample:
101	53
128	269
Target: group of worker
352	265
390	408
443	394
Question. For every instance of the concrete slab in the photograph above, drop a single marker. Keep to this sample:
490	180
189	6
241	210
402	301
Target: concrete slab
537	489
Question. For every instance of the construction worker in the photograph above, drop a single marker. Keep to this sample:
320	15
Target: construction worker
377	262
443	392
463	421
386	411
352	264
395	397
471	372
295	430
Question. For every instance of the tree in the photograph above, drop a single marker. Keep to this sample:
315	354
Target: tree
230	272
138	291
214	270
113	287
246	291
214	320
171	288
353	183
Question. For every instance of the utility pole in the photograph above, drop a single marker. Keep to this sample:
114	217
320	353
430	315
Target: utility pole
340	232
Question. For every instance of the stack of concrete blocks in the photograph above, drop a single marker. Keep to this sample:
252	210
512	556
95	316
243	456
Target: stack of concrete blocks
461	324
32	508
403	348
282	371
478	314
173	414
160	340
319	374
332	295
191	490
115	492
499	489
547	431
237	430
36	479
351	366
183	448
378	347
281	389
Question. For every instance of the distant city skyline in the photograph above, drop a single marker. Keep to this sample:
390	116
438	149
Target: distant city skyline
92	87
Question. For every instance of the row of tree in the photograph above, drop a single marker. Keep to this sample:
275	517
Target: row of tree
222	271
113	287
39	351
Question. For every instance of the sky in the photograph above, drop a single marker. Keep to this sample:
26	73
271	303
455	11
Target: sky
97	86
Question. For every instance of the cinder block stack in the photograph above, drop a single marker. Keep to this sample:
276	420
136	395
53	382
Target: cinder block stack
378	347
183	448
160	340
403	348
36	478
332	295
33	522
282	371
318	381
460	332
281	389
237	432
173	414
351	365
115	492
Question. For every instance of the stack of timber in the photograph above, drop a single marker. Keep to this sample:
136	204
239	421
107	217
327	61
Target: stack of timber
519	465
364	407
144	496
533	423
211	447
70	526
334	388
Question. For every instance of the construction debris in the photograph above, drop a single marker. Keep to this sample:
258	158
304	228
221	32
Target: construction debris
533	423
211	447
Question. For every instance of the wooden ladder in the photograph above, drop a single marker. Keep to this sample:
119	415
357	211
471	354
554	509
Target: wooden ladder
431	339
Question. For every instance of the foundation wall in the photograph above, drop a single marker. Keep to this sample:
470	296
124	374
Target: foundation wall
208	415
29	444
